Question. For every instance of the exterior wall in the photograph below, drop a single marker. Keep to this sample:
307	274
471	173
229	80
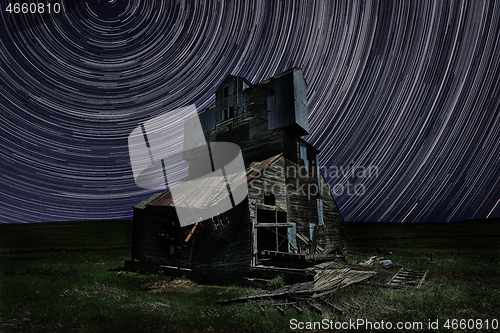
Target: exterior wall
302	206
250	129
227	246
266	115
333	232
297	191
306	187
158	238
269	179
138	234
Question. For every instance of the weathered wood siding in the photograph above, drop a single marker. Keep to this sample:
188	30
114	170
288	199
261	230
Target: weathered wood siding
268	120
230	243
333	232
155	234
271	180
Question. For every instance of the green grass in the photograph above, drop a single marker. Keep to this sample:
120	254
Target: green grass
60	277
61	235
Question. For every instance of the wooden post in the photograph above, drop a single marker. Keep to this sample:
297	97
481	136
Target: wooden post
277	240
191	232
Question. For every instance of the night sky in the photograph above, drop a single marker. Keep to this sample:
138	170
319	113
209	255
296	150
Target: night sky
411	88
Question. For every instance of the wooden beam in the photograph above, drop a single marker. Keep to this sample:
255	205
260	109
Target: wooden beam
191	232
273	225
422	281
333	306
299	310
314	307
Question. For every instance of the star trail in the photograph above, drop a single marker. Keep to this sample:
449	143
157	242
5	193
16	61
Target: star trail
411	88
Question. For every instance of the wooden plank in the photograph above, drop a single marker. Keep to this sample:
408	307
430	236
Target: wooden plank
333	306
321	256
339	279
390	281
349	305
285	304
422	280
314	308
272	225
303	238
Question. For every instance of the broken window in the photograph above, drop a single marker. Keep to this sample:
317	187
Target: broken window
219	221
266	216
226	91
272	239
273	233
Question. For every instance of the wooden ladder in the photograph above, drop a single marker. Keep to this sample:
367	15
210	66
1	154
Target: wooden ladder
407	278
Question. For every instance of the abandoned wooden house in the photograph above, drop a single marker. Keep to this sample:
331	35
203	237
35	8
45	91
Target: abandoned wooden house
289	218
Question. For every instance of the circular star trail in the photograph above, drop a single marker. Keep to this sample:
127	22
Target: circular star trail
410	89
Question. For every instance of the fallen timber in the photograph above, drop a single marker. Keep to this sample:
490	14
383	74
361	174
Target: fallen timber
325	282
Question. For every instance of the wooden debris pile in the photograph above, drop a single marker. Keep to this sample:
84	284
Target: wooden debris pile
328	281
325	282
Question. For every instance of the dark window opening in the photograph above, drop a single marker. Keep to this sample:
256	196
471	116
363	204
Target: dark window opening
266	216
271	92
226	91
228	113
269	199
272	239
312	163
271	216
281	217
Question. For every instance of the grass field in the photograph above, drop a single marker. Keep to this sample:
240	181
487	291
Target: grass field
66	276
